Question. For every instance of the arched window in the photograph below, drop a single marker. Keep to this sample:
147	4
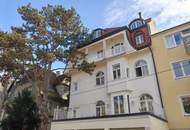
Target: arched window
141	68
146	103
136	24
100	108
100	78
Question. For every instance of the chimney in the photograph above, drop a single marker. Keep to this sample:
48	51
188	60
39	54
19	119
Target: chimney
140	16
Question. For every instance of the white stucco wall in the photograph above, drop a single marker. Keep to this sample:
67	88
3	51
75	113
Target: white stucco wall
84	99
145	122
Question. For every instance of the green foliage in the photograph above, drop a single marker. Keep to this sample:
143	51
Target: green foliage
22	113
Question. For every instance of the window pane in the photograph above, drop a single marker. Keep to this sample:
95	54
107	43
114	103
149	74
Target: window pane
186	67
186	104
118	73
97	81
177	70
121	103
145	70
114	74
170	42
177	37
102	80
138	72
116	108
98	111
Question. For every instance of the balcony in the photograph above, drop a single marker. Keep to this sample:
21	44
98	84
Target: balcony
141	119
92	111
108	53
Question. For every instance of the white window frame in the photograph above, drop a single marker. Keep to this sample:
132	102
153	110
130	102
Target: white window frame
119	109
74	113
173	38
117	49
102	109
100	78
117	74
100	54
136	24
181	104
146	103
143	75
184	76
75	86
139	39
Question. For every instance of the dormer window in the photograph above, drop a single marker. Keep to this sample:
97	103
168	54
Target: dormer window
139	38
97	33
136	24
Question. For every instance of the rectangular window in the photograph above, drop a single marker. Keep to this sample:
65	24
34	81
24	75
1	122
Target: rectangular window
75	84
127	72
139	39
173	40
100	54
116	71
117	49
118	104
181	69
74	113
185	103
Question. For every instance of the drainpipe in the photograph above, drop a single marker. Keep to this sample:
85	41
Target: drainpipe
156	73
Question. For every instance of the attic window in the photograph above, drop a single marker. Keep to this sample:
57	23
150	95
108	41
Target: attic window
136	24
97	33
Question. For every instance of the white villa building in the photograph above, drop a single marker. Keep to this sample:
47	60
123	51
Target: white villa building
123	92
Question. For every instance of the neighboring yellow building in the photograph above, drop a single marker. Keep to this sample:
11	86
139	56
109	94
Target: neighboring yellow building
172	60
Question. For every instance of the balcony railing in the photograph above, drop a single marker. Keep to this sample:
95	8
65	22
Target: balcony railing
88	110
106	54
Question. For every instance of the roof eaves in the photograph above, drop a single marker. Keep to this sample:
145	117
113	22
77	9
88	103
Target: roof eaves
103	36
171	28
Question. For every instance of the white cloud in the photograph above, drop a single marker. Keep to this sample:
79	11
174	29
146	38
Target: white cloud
166	13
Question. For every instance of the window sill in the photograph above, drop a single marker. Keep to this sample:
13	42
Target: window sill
187	115
140	77
181	45
183	77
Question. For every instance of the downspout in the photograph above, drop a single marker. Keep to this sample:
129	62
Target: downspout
156	73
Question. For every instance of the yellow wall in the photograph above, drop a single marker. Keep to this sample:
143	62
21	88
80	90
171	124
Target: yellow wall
171	89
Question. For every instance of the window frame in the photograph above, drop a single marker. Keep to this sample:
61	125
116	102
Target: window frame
100	54
146	102
181	104
119	104
173	72
102	108
136	24
117	71
173	39
140	35
143	75
75	84
99	77
117	49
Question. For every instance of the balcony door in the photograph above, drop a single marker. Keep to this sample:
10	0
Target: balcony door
118	104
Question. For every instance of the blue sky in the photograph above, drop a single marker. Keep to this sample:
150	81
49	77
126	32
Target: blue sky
105	13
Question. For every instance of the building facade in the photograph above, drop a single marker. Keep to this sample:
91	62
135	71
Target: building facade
123	91
171	49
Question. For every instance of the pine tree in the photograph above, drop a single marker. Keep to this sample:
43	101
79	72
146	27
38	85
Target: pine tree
22	113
